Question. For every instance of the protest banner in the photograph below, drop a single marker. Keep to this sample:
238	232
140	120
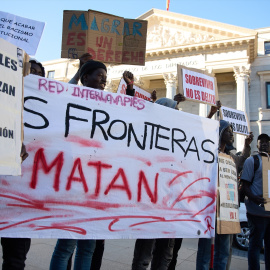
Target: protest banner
237	119
11	88
103	165
139	92
108	38
197	85
266	181
227	203
22	32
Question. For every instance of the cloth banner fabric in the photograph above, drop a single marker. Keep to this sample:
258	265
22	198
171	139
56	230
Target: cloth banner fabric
108	166
22	32
11	85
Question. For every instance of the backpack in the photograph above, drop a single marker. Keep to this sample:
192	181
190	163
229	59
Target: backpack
241	192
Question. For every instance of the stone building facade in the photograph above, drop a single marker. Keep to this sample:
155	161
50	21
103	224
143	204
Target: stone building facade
238	57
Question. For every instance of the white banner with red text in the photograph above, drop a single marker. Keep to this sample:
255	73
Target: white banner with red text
108	166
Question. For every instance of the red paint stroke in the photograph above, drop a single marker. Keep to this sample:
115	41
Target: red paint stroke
63	228
81	179
179	198
111	224
208	219
5	182
124	187
144	160
35	145
40	162
163	220
169	170
199	196
143	181
210	195
178	175
29	203
28	220
115	219
107	218
84	142
165	159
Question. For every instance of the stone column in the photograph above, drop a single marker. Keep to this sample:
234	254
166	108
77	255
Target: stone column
241	74
203	109
170	80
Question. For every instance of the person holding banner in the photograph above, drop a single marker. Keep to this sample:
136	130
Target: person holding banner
222	241
178	241
92	74
258	217
82	60
157	251
15	249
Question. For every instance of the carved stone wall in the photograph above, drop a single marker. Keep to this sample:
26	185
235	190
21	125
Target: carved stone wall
160	36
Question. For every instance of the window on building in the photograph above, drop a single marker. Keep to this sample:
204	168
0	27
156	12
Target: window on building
267	47
268	95
51	74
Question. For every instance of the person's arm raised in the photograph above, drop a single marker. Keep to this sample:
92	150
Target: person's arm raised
129	79
214	109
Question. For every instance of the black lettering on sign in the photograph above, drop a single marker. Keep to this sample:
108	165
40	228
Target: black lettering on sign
7	89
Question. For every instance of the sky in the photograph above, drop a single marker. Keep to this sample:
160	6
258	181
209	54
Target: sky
250	14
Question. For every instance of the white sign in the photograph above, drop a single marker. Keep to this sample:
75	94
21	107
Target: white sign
228	189
11	61
103	166
197	86
238	120
140	93
22	32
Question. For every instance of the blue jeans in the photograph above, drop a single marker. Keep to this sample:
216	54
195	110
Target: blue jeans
65	247
259	230
221	253
203	254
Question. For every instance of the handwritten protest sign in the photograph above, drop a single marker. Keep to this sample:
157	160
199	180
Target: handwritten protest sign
106	37
238	120
22	32
103	165
11	79
197	85
266	181
228	212
140	93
